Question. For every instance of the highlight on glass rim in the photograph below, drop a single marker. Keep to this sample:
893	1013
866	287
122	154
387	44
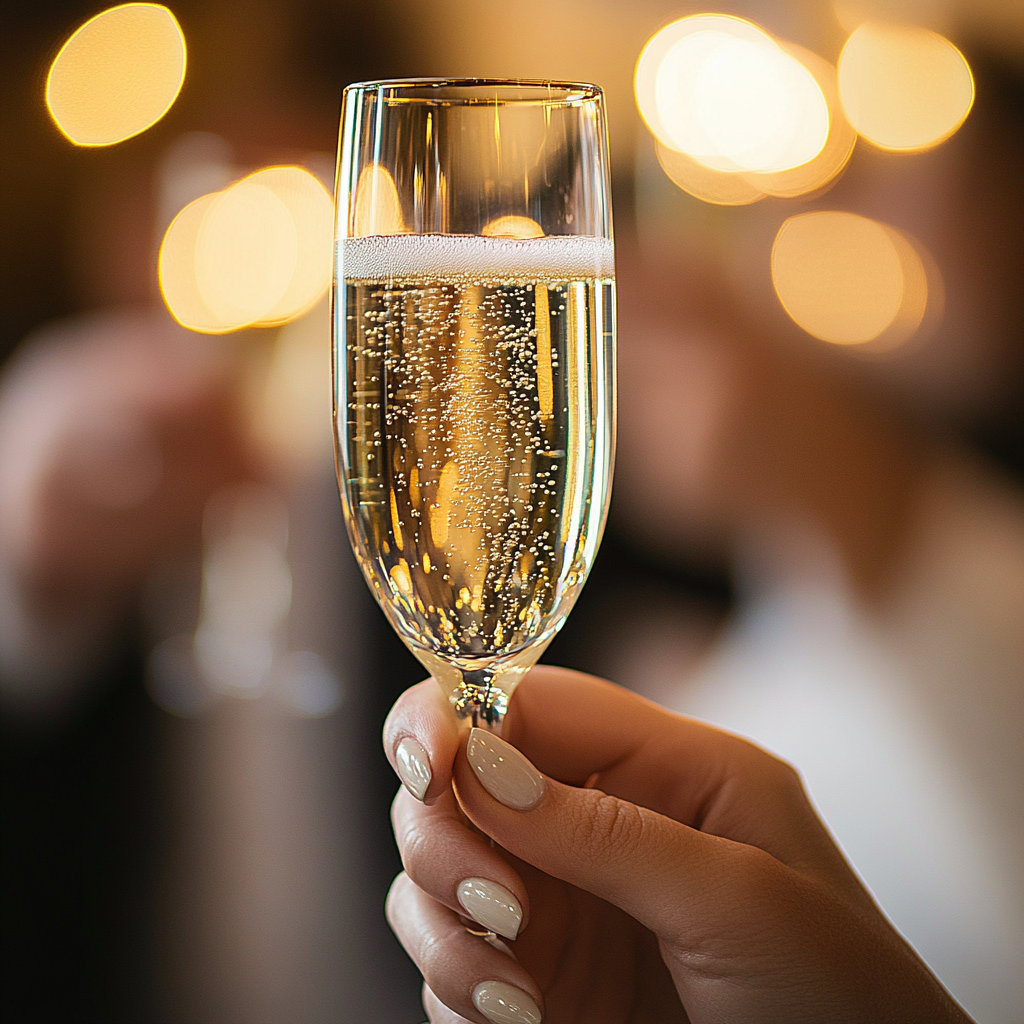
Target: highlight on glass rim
510	512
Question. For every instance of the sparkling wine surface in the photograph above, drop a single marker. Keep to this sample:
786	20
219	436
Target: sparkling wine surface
475	417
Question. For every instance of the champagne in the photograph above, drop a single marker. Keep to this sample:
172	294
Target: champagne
475	417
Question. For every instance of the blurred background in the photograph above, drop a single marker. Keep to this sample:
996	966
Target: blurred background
817	534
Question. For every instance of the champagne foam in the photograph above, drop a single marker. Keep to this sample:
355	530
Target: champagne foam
555	257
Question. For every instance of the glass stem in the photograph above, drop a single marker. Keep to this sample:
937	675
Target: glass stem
483	703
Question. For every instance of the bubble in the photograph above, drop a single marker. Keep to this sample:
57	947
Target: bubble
559	257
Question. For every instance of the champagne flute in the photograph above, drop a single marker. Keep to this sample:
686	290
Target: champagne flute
474	365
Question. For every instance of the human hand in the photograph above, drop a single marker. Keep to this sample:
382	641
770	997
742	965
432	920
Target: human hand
658	870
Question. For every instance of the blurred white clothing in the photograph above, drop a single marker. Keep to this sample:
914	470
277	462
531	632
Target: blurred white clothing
907	725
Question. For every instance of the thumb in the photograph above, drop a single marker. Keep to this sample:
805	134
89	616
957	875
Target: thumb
649	865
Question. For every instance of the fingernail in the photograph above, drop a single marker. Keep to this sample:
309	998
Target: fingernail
504	772
505	1004
492	940
413	767
491	905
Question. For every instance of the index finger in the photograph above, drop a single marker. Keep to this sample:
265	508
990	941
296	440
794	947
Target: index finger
581	730
585	731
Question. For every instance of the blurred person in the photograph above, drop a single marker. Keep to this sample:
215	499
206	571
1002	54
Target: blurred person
822	548
779	438
877	552
230	867
105	424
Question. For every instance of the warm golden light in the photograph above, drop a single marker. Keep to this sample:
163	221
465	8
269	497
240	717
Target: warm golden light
177	272
246	253
256	254
378	209
922	293
723	188
722	180
513	227
834	156
847	279
657	48
290	401
904	88
723	92
117	75
312	212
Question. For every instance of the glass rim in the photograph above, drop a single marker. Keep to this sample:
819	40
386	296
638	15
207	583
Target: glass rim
460	91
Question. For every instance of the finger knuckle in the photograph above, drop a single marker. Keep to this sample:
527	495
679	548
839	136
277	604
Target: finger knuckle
757	765
752	878
785	773
396	806
440	965
434	959
414	845
606	827
785	780
395	895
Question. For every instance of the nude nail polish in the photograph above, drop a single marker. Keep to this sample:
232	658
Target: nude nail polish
413	767
504	772
499	944
505	1004
491	905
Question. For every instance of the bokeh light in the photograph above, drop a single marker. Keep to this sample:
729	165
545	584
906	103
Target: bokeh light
117	75
378	209
723	188
177	271
290	396
246	253
922	292
902	87
721	180
847	279
720	90
512	227
834	155
255	254
312	213
657	48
